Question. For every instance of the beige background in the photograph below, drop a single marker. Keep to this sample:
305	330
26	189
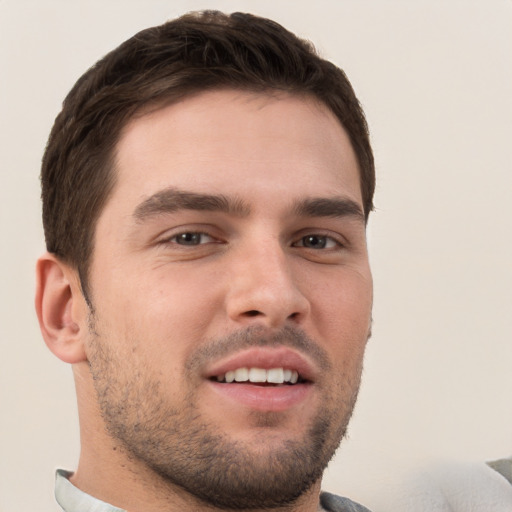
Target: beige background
436	82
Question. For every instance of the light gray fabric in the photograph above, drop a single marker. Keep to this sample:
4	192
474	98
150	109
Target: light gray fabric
72	499
454	486
503	467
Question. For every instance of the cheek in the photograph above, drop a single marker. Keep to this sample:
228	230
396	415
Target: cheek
152	293
341	312
159	316
343	302
184	301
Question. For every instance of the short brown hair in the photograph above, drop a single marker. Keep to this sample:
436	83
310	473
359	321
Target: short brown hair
197	52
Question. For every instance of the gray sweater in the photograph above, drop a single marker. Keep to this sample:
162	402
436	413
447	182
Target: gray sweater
333	503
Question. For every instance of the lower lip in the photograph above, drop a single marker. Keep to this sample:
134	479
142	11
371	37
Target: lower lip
263	398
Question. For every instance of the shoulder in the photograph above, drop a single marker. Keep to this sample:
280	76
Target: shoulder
333	503
453	486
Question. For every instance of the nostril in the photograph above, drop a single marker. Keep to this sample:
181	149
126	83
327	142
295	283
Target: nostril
253	312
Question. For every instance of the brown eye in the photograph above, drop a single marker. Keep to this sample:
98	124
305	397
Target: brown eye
316	242
191	238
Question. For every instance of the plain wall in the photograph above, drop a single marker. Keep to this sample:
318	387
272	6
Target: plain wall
435	79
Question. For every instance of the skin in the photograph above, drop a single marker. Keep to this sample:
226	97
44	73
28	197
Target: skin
159	304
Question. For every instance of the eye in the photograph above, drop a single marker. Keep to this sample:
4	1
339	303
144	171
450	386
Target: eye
317	242
191	238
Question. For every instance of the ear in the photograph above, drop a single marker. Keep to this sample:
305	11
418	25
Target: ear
61	309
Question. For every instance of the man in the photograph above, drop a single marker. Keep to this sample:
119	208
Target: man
206	189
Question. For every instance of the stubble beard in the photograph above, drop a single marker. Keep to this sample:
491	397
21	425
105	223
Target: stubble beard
189	453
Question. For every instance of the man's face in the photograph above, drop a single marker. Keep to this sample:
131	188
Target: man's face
233	247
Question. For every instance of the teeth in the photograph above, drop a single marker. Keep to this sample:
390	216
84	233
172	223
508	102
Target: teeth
241	374
275	375
260	375
257	375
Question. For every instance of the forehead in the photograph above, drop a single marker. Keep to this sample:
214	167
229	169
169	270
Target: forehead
229	141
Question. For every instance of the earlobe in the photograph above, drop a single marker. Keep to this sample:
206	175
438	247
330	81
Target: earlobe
59	306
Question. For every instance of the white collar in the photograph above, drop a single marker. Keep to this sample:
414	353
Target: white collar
72	499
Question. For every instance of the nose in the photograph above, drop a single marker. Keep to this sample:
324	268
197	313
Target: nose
264	290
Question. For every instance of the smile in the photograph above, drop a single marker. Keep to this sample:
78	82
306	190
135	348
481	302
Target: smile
261	376
266	379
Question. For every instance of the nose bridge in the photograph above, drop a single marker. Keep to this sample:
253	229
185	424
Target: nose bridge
264	287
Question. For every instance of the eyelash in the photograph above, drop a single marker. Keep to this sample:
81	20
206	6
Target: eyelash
191	237
174	238
327	240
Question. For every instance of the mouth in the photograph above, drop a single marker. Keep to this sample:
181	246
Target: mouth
264	379
261	376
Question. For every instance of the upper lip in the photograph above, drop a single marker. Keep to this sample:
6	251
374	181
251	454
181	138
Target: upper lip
266	358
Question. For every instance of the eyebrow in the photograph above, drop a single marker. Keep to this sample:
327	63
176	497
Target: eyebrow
171	200
330	207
